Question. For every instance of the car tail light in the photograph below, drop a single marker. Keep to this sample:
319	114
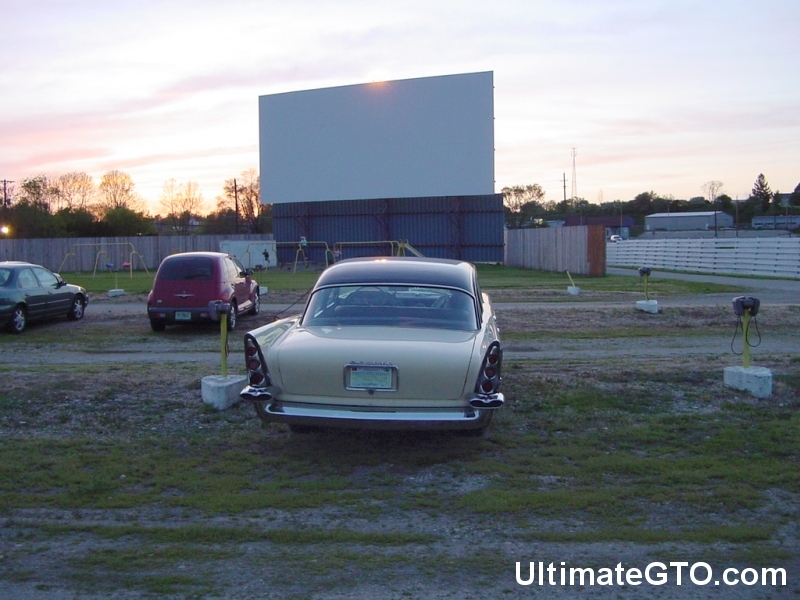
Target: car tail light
489	377
257	372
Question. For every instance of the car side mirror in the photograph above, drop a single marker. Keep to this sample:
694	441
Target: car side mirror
248	273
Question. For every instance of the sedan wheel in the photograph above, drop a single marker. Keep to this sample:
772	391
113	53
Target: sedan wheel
76	310
18	320
256	304
232	317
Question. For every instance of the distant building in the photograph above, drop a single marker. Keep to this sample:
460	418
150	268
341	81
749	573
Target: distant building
776	222
615	225
609	221
687	221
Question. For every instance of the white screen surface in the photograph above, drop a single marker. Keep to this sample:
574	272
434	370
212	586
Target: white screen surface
431	136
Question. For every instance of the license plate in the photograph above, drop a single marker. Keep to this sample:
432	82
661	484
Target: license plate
183	315
371	378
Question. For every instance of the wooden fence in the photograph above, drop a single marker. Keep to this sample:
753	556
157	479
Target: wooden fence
86	254
579	250
776	257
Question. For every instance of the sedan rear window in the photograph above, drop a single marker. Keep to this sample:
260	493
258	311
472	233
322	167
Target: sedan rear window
5	276
393	306
196	268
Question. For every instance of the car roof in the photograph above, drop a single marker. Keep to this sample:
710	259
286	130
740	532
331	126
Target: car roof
191	254
400	270
16	263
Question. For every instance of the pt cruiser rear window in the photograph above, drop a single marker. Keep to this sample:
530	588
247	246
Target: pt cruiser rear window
195	268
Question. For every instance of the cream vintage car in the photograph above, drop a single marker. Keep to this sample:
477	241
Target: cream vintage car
383	343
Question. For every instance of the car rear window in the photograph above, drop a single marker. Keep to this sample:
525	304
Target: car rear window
195	268
392	306
5	276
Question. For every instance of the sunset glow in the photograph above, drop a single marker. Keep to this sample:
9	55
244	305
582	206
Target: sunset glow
653	95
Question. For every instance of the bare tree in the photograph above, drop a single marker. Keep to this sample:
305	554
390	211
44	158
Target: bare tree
712	190
169	196
520	200
191	198
75	191
116	190
181	202
243	192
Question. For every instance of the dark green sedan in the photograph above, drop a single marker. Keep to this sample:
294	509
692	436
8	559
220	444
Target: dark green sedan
31	292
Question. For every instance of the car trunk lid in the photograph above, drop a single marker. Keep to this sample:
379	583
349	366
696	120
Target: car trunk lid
431	364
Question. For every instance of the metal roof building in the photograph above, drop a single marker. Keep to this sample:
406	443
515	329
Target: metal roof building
687	221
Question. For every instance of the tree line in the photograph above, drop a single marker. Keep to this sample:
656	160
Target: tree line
524	205
73	205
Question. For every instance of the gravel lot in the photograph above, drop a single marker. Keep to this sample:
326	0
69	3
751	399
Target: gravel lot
158	394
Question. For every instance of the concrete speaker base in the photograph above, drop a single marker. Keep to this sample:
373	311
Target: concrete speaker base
648	306
756	380
222	392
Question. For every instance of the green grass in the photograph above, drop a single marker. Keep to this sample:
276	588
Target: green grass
137	282
734	534
491	277
206	534
307	562
619	333
503	277
141	282
611	448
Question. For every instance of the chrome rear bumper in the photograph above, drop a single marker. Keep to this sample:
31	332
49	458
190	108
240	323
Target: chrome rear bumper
295	413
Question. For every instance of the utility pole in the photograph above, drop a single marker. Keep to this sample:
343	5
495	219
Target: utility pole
236	204
669	223
5	191
574	177
716	229
575	185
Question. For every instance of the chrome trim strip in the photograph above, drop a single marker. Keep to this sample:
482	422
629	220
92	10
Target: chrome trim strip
375	418
362	414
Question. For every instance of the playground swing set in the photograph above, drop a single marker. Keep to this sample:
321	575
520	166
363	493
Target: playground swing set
396	248
128	265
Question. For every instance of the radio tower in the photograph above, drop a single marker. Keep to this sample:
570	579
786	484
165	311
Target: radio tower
574	176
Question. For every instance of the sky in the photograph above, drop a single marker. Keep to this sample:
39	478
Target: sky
661	95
